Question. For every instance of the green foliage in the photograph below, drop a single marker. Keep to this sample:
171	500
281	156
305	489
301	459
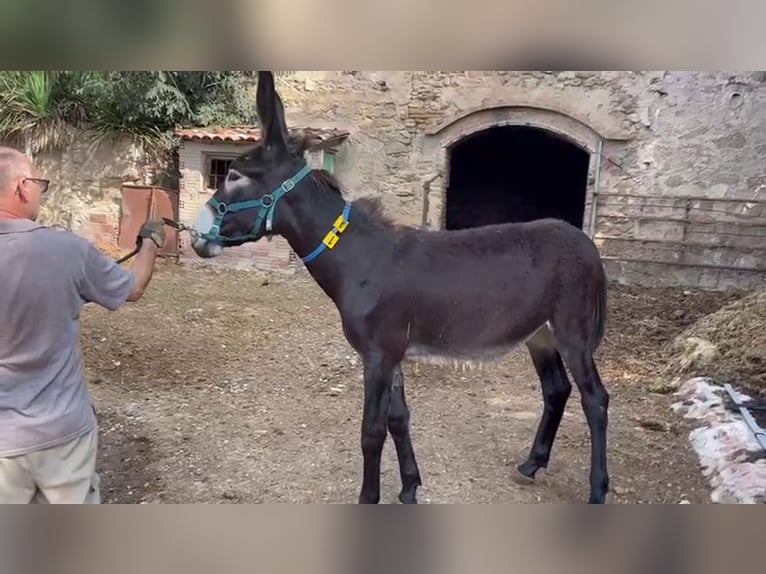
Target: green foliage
217	98
148	106
136	105
41	109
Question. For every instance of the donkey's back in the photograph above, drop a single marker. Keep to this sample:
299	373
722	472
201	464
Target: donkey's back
530	244
483	290
530	257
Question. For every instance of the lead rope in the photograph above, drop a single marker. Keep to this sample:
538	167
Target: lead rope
170	223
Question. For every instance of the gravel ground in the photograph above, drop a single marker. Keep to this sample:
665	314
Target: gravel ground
229	386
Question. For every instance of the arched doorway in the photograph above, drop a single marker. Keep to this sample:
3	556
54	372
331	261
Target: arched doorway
515	173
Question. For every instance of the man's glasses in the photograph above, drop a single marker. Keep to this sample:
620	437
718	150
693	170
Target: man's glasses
44	183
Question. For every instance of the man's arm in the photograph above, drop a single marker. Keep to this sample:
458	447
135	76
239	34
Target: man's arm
143	269
106	283
152	237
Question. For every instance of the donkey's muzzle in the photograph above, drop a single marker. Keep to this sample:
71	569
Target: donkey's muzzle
206	249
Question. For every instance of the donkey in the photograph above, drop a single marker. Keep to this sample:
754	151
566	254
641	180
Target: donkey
402	292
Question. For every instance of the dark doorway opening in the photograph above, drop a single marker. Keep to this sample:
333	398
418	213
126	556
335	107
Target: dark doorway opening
515	173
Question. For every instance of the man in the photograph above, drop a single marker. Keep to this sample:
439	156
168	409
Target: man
48	430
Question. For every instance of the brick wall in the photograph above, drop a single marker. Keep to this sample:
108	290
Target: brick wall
102	229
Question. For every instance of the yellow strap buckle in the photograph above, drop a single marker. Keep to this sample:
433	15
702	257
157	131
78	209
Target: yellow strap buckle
330	239
333	235
340	224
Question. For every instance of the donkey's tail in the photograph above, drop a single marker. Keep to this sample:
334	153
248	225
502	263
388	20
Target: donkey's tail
601	310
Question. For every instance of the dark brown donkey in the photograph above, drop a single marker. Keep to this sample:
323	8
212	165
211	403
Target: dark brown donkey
401	292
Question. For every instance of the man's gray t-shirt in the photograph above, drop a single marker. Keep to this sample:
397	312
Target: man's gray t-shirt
46	276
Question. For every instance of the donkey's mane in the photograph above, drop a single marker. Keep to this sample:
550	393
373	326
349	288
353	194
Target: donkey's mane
371	207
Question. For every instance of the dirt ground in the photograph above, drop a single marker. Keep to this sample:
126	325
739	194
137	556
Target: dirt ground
225	386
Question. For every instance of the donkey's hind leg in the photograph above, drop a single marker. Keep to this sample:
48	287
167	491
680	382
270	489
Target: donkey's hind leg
595	405
399	427
556	390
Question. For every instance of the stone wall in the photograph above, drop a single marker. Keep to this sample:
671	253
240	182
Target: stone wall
675	135
396	143
86	183
697	153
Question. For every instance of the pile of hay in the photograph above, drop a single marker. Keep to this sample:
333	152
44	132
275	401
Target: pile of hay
728	346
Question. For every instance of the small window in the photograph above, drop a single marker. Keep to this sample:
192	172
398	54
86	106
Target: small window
217	170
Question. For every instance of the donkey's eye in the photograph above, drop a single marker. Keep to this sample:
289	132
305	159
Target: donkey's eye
234	176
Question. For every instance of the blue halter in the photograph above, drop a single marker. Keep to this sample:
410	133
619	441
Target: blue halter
266	206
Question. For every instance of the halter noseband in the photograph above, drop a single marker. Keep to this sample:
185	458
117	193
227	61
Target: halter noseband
265	206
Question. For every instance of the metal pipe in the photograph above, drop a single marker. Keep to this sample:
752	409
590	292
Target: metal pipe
684	264
758	432
426	192
424	214
596	184
757	224
683	197
674	243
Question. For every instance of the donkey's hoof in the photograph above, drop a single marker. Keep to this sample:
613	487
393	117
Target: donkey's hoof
408	496
597	499
368	499
410	484
528	470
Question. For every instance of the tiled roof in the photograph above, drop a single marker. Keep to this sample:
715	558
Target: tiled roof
251	134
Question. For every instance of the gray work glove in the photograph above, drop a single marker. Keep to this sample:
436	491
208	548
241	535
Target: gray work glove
154	230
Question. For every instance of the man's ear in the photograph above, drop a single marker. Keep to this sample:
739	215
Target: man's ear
22	190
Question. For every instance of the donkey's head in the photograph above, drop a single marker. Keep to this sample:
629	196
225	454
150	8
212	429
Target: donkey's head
242	208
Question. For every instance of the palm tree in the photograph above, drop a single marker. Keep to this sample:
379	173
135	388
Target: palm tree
39	110
43	110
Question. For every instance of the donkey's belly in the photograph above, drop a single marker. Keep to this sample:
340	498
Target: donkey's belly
444	356
478	350
471	322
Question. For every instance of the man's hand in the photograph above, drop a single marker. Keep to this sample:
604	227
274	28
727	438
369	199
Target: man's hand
153	229
144	265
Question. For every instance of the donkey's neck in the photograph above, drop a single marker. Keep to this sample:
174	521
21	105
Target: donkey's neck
309	216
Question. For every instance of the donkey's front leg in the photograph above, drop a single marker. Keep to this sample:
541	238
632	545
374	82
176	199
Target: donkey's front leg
377	398
399	427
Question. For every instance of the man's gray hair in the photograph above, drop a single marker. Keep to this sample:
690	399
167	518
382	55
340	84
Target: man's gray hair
12	163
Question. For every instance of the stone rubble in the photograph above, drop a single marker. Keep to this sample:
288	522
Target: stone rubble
731	458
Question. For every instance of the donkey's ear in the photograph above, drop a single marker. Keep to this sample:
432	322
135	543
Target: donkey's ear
271	112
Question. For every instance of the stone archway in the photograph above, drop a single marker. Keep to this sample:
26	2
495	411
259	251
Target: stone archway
515	173
570	130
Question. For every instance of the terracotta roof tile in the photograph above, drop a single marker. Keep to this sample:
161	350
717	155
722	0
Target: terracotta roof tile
251	134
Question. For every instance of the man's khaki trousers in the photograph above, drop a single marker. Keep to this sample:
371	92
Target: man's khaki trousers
63	474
